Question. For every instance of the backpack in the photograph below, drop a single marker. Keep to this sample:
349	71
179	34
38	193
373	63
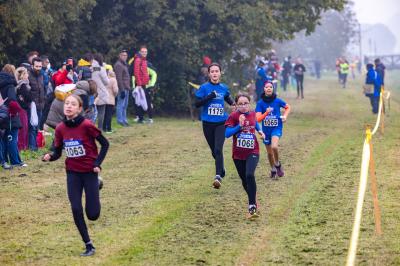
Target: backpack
63	91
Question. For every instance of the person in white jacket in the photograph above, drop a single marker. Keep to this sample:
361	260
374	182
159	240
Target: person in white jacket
100	76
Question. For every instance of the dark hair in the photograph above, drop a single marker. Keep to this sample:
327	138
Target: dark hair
99	58
142	46
123	51
242	95
36	59
44	57
377	61
214	64
31	53
88	57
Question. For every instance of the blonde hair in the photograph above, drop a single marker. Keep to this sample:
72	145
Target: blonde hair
20	72
10	69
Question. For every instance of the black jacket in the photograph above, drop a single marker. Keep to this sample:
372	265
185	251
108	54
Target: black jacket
37	89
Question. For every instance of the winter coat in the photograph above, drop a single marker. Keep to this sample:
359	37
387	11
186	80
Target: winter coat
112	88
24	96
7	90
37	89
99	76
140	71
122	74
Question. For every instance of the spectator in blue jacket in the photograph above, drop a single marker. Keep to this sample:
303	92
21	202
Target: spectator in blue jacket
373	78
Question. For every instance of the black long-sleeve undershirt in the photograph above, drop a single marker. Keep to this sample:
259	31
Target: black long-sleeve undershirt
200	102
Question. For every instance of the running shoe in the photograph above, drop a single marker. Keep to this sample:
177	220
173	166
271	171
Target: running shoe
150	121
217	182
136	119
279	170
253	214
100	182
90	251
6	166
273	174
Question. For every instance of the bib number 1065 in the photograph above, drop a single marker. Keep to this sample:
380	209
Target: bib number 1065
245	143
215	111
271	122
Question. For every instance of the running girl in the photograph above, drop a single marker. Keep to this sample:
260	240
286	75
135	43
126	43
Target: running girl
211	97
77	136
268	111
242	125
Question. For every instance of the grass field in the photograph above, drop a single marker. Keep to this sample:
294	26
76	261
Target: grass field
158	206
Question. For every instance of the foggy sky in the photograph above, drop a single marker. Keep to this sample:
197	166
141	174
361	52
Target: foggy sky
382	11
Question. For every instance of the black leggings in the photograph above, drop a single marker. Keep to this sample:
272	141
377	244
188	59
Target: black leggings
215	136
149	111
299	81
246	169
76	182
108	117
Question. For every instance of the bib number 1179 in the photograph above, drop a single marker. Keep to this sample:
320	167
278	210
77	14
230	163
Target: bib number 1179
215	111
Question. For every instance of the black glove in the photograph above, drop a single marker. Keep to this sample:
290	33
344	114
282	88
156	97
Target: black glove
212	95
122	94
69	68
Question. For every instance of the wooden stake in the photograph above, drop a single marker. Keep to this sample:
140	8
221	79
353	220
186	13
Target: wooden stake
374	190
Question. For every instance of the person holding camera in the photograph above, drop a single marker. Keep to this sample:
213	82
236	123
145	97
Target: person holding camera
122	74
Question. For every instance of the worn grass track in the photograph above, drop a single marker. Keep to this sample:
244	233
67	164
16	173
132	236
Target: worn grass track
158	207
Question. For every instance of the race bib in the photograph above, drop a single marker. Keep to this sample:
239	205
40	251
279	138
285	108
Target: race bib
74	148
270	122
215	111
245	140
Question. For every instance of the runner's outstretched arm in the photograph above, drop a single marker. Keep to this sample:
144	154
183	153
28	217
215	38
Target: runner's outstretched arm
229	100
230	131
260	117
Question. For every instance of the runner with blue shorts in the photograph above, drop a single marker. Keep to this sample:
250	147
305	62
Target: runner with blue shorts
268	111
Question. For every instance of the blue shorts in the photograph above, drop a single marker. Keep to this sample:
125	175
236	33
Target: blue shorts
277	132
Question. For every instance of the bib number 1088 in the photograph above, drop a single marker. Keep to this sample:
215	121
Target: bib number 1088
245	143
215	111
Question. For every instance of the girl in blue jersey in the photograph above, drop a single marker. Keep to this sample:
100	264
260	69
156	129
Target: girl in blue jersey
212	96
268	111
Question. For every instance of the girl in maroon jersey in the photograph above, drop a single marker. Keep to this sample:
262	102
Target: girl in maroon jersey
77	136
242	125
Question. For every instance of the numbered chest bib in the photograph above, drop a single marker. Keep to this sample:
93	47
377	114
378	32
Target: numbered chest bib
213	110
74	148
245	140
271	121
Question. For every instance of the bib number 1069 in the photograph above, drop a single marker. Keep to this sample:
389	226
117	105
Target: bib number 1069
245	143
215	111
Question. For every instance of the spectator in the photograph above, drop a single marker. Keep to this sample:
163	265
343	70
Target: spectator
261	78
99	76
372	87
380	68
141	74
47	73
84	68
286	72
29	58
38	97
112	89
9	144
299	70
344	71
123	81
24	99
65	75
